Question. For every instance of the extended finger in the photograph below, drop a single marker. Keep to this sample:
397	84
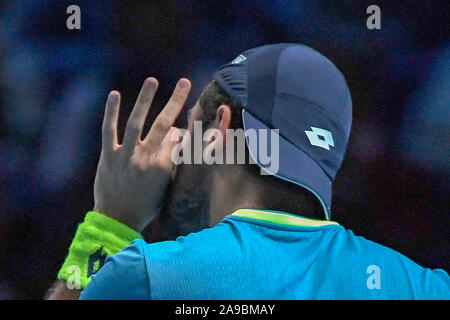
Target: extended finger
165	120
109	127
137	118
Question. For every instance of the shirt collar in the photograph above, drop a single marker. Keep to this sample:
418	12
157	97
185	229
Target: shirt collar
282	218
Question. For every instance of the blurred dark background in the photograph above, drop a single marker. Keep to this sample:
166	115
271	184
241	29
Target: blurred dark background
392	187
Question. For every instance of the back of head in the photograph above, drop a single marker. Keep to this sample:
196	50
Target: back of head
272	193
296	91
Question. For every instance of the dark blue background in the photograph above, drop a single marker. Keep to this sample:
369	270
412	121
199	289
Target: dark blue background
392	187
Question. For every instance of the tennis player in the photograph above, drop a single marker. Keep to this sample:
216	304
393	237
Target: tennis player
245	231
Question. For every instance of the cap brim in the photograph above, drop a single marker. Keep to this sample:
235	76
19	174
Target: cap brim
294	165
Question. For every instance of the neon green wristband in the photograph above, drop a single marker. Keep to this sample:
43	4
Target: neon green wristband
97	238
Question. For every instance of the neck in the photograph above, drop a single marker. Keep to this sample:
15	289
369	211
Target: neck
231	192
237	188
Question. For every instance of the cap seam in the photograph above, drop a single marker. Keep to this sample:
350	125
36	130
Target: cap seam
339	125
276	78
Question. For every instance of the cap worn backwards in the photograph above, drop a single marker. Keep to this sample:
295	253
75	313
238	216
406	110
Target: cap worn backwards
295	89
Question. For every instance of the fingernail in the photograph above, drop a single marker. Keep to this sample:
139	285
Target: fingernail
113	96
183	84
152	81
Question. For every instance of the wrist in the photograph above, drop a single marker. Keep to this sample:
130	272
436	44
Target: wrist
130	218
97	238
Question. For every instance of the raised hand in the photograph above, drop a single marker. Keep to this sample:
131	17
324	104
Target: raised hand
131	178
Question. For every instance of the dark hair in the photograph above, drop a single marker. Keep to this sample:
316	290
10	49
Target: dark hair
212	97
277	194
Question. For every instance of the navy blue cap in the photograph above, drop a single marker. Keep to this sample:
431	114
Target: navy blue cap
295	89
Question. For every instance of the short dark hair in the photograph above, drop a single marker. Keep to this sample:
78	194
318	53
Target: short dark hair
278	194
212	97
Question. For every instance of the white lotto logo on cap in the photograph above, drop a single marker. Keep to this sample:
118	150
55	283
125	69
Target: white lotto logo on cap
320	138
240	58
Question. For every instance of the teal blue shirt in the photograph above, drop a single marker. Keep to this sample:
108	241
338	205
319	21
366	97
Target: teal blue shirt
255	254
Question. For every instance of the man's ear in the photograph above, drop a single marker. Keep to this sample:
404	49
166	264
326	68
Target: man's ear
223	121
215	137
223	118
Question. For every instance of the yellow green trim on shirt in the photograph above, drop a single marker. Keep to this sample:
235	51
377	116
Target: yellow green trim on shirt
282	218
